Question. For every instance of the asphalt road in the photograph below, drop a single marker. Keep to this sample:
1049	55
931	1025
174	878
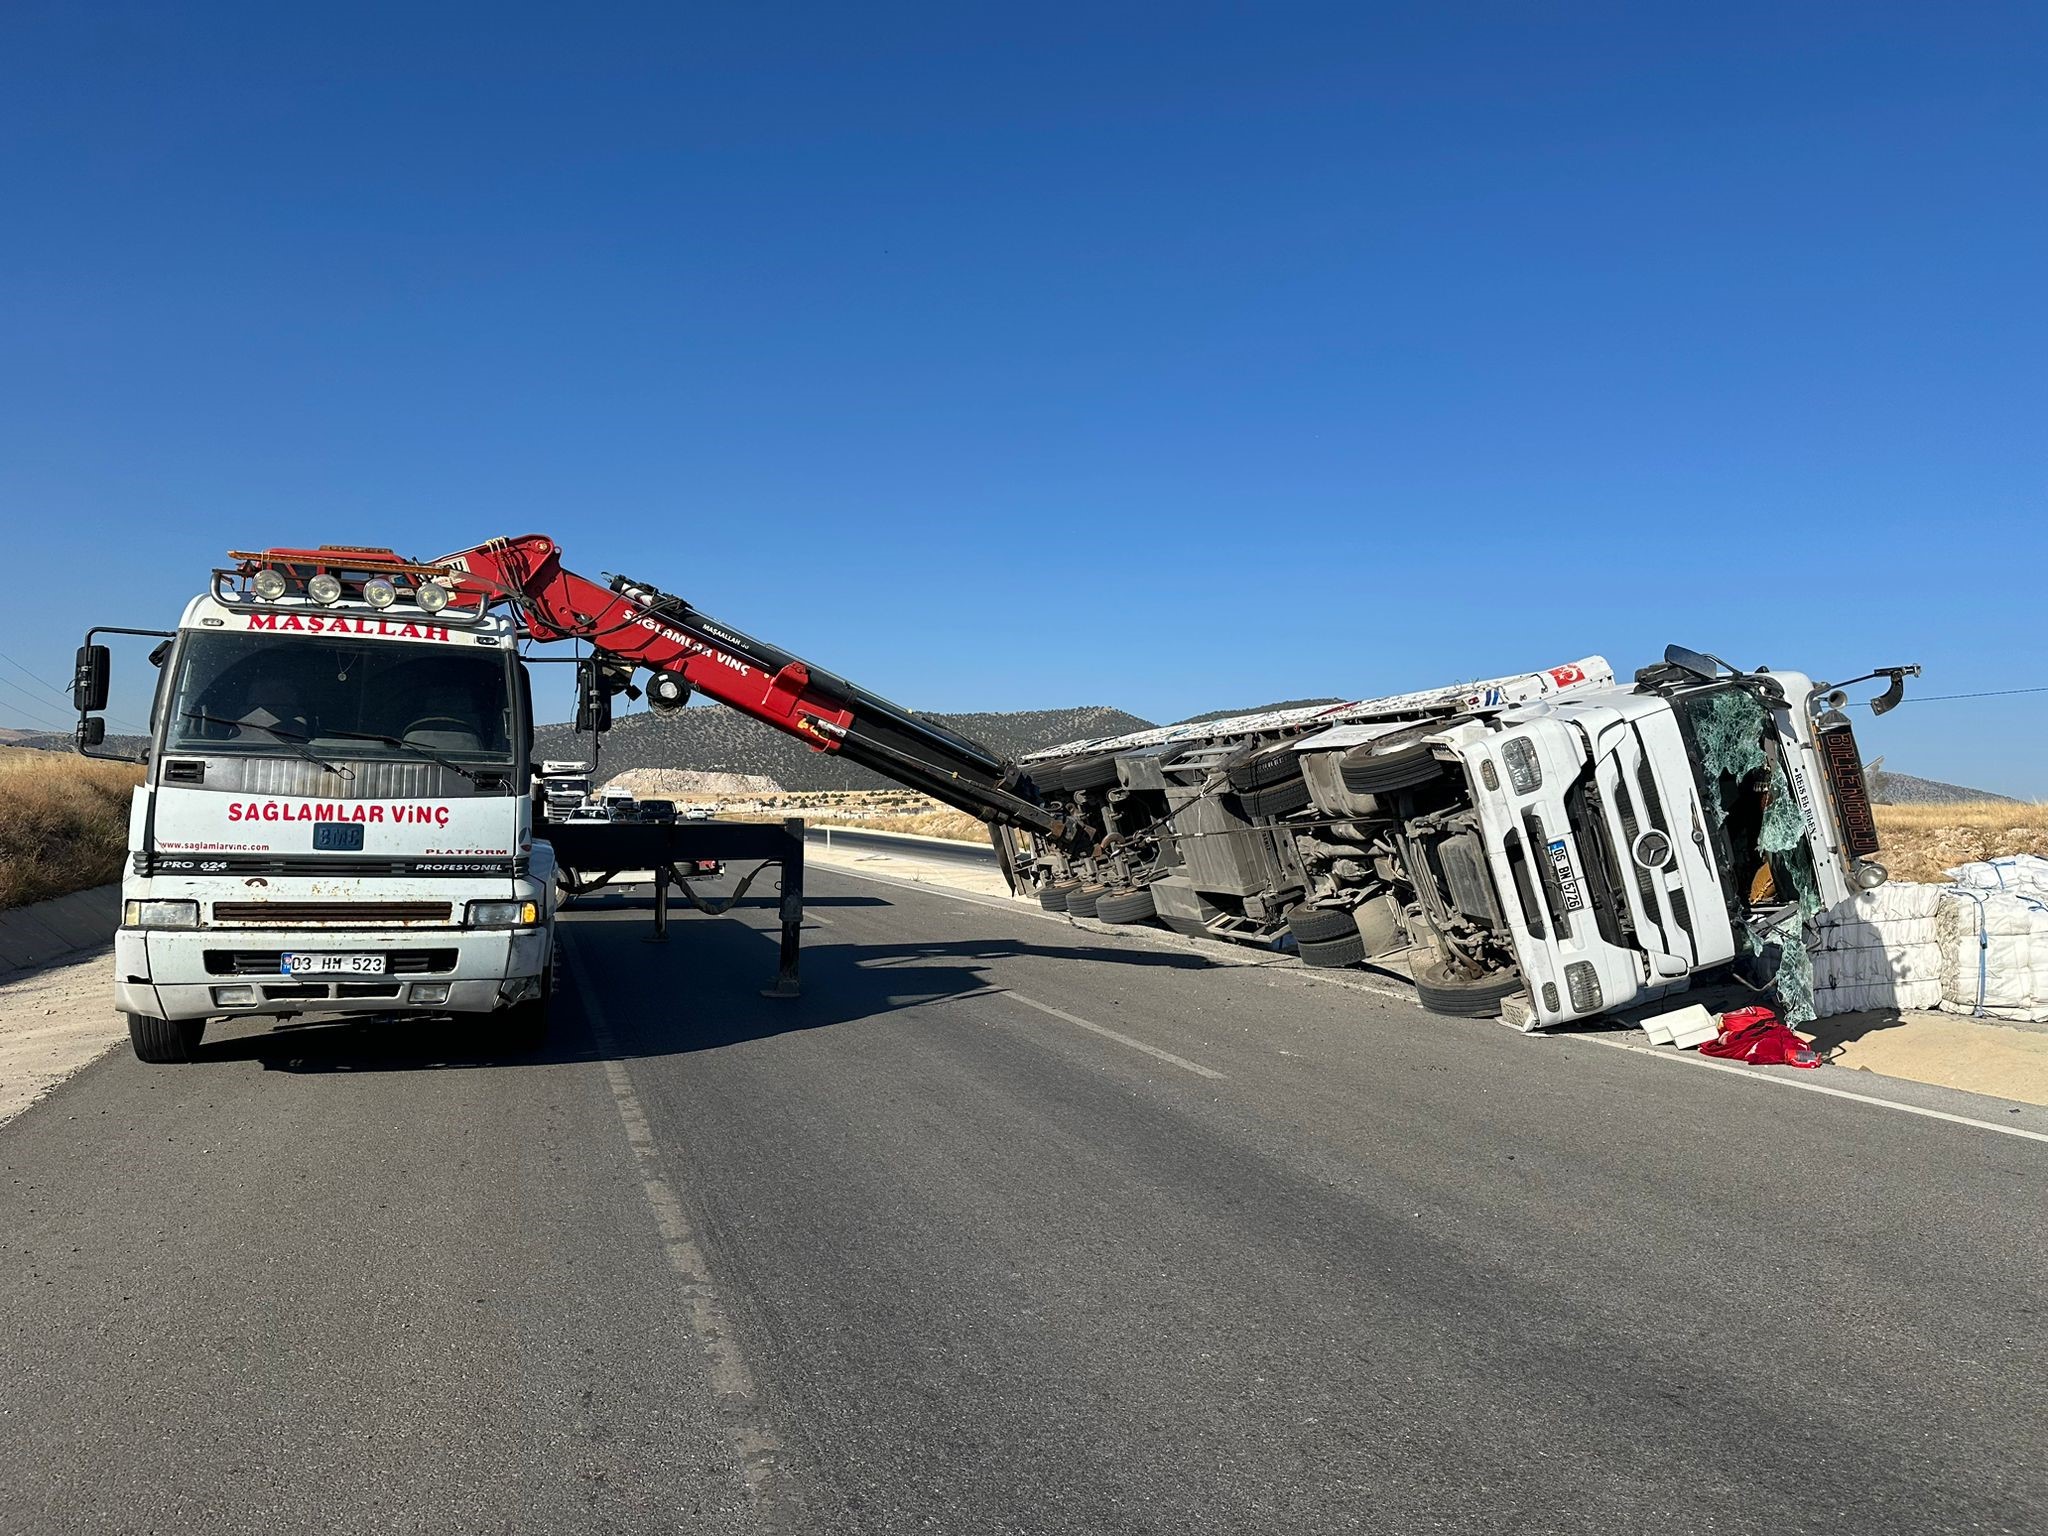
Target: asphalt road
1001	1229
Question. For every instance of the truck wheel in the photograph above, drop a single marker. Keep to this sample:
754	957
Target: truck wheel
1090	773
1332	952
1319	925
1283	799
1368	773
1081	901
524	1026
1054	897
1266	769
1126	906
1443	990
164	1042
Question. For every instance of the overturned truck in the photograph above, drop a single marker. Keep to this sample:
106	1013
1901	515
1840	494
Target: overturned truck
1556	834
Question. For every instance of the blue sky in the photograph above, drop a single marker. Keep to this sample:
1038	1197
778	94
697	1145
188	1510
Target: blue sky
998	357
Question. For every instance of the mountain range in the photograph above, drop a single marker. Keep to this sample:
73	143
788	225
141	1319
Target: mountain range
709	739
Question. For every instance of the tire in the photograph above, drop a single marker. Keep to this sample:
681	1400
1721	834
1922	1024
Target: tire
1090	773
1330	953
1368	773
1264	770
1443	991
524	1026
1319	925
1126	906
164	1042
1081	902
1283	799
1054	897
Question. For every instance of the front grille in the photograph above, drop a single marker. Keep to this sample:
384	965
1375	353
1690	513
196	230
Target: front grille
303	914
1631	829
266	962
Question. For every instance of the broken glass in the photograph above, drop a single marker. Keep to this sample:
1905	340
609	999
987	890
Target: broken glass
1758	825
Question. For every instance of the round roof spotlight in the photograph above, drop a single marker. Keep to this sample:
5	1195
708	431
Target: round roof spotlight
1870	875
269	584
324	588
378	592
431	596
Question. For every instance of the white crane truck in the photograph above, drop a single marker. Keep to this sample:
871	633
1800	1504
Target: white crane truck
340	813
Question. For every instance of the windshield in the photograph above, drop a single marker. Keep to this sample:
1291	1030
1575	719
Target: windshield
264	693
1753	816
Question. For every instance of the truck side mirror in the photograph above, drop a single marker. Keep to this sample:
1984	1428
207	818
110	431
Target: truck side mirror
90	733
89	680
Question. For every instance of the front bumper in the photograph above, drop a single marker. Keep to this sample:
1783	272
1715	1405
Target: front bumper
210	972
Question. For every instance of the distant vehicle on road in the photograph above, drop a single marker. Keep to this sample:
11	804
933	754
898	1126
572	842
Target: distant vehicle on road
656	810
696	813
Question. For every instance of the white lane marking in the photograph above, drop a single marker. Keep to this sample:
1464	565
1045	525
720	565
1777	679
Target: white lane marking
760	1450
1749	1075
1109	1034
1305	973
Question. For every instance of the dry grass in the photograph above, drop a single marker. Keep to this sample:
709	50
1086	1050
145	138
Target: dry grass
1920	841
888	810
63	823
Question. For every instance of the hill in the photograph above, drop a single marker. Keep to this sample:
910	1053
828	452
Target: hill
710	739
1887	788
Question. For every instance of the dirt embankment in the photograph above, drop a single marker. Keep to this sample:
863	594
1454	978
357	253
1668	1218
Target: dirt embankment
63	823
1920	841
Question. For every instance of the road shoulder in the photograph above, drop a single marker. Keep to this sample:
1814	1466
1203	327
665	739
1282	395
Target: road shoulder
53	1023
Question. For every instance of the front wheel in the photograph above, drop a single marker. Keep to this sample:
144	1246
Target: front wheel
164	1042
524	1026
1440	989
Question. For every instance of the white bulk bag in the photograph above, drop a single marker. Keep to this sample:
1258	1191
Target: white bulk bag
1878	951
1994	954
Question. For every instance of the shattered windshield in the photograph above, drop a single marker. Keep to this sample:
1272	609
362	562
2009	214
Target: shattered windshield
1757	830
249	693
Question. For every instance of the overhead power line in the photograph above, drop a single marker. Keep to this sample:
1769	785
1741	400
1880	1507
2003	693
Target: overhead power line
24	671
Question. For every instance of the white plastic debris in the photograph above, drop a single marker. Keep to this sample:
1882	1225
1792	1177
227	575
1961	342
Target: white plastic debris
1684	1028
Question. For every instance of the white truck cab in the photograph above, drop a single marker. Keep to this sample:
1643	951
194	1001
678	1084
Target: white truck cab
337	818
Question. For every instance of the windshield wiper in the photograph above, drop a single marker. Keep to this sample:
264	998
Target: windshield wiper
407	746
291	739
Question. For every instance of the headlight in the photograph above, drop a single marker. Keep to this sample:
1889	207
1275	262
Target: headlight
159	914
270	585
1583	982
324	588
1524	772
501	914
379	593
431	596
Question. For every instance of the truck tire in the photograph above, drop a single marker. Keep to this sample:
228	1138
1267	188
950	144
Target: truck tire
1268	768
1330	953
1319	925
1090	773
1126	906
1081	900
1283	799
1368	773
524	1026
1442	990
164	1042
1054	897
